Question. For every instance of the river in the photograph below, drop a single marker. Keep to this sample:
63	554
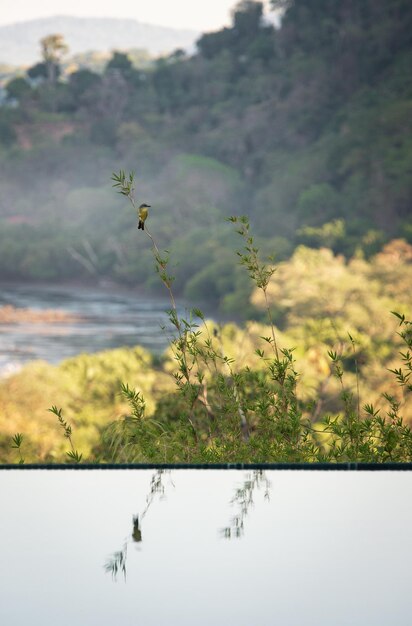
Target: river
104	318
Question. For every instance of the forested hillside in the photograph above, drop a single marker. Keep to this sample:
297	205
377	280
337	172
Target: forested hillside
306	129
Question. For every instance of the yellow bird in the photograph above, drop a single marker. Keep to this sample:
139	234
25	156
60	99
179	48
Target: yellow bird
143	213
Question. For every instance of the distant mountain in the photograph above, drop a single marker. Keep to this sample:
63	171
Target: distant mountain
19	43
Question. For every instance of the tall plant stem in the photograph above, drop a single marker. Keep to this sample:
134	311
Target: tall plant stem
272	325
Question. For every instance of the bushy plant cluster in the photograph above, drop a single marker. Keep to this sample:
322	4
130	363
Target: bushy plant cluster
223	412
237	395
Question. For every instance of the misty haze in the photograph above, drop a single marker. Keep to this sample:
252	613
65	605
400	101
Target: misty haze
197	337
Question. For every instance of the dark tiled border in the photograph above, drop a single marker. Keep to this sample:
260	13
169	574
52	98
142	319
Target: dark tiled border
379	467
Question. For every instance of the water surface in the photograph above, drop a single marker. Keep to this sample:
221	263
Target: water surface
212	548
108	318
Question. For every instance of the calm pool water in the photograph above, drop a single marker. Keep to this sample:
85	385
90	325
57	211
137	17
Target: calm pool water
205	548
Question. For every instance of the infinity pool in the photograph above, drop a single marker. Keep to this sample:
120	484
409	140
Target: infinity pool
205	547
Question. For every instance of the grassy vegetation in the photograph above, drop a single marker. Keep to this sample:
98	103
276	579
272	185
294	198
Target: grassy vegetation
226	394
305	130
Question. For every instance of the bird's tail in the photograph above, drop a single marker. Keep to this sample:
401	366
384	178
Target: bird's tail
141	224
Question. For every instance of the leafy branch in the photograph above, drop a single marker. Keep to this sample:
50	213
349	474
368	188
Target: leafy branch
16	445
73	454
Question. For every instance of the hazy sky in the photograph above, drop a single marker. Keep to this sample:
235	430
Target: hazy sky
199	15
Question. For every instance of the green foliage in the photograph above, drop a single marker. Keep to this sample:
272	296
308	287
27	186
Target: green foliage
329	235
125	185
87	388
318	202
119	62
16	445
305	129
226	412
73	454
237	395
18	88
8	134
39	70
255	122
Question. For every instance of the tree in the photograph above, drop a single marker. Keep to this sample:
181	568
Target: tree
247	17
121	63
82	81
53	49
39	72
17	88
8	136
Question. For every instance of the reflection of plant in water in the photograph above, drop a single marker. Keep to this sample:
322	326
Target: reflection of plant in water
243	499
116	563
156	488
